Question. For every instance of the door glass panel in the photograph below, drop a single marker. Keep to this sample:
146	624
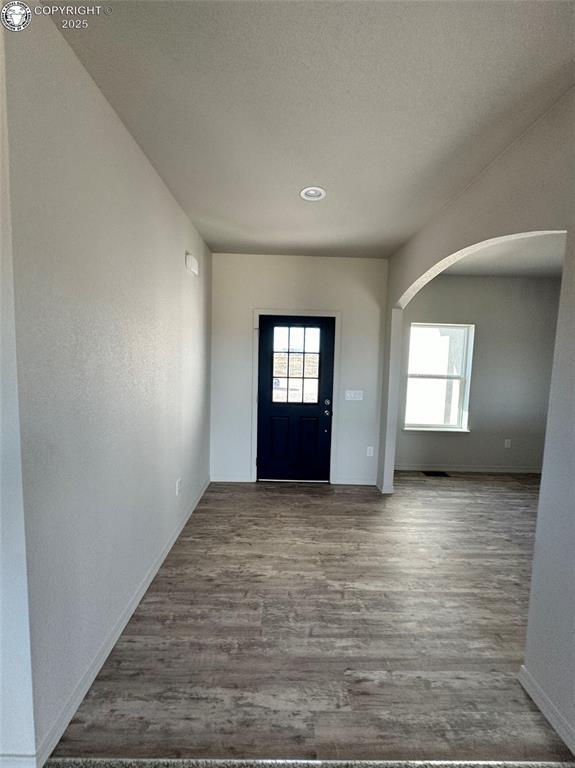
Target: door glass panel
279	390
296	339
311	366
295	391
296	364
280	364
281	339
310	390
295	373
312	339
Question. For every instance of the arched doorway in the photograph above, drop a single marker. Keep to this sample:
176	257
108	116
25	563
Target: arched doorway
488	250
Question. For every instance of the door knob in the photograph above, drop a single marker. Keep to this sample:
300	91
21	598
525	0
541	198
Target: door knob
326	413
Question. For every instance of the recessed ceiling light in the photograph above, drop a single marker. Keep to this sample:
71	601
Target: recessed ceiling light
313	194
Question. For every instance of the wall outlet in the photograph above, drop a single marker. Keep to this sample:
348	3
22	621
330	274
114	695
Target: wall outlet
178	486
507	443
354	394
370	450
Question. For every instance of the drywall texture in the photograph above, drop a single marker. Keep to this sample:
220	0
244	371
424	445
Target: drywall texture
515	322
549	670
352	287
528	188
16	706
113	364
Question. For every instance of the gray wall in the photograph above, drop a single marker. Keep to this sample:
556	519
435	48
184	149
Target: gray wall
16	705
528	188
549	670
515	322
113	365
355	288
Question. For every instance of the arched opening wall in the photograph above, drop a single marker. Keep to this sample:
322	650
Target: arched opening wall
528	191
549	241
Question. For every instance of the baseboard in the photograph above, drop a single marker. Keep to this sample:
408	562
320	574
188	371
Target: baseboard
50	740
17	761
565	730
490	468
385	489
228	479
353	481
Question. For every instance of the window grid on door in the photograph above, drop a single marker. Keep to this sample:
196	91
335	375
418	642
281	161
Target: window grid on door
295	364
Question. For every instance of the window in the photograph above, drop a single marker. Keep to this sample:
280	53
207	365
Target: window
438	376
295	364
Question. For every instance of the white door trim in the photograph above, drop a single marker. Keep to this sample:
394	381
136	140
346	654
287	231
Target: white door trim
336	381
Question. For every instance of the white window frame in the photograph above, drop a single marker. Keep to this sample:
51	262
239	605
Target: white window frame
464	379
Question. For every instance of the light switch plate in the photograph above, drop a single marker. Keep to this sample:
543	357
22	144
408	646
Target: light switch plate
354	394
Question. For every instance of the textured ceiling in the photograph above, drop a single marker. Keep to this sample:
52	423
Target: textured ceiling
393	107
537	256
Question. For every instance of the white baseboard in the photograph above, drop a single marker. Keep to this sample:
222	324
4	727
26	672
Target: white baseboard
68	711
228	479
491	468
18	761
385	489
353	481
565	730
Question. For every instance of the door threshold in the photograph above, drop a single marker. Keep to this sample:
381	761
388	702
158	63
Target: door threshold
274	480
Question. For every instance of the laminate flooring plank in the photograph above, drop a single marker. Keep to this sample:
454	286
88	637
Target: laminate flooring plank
331	622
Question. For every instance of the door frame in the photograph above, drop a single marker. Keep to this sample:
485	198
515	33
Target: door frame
336	314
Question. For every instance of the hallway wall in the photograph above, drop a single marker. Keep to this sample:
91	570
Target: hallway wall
353	287
113	365
528	188
548	673
16	701
515	322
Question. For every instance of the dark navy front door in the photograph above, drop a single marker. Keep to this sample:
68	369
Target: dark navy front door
295	396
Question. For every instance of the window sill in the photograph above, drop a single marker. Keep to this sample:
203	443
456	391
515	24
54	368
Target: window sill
435	429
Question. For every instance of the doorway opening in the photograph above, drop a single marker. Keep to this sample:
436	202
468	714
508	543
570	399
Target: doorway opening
295	397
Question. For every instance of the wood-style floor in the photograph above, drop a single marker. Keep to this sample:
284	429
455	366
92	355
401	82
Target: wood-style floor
314	621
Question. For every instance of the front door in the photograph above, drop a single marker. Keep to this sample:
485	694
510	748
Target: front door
295	396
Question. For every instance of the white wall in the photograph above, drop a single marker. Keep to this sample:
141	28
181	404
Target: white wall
16	705
515	322
530	187
527	188
113	365
353	287
549	670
